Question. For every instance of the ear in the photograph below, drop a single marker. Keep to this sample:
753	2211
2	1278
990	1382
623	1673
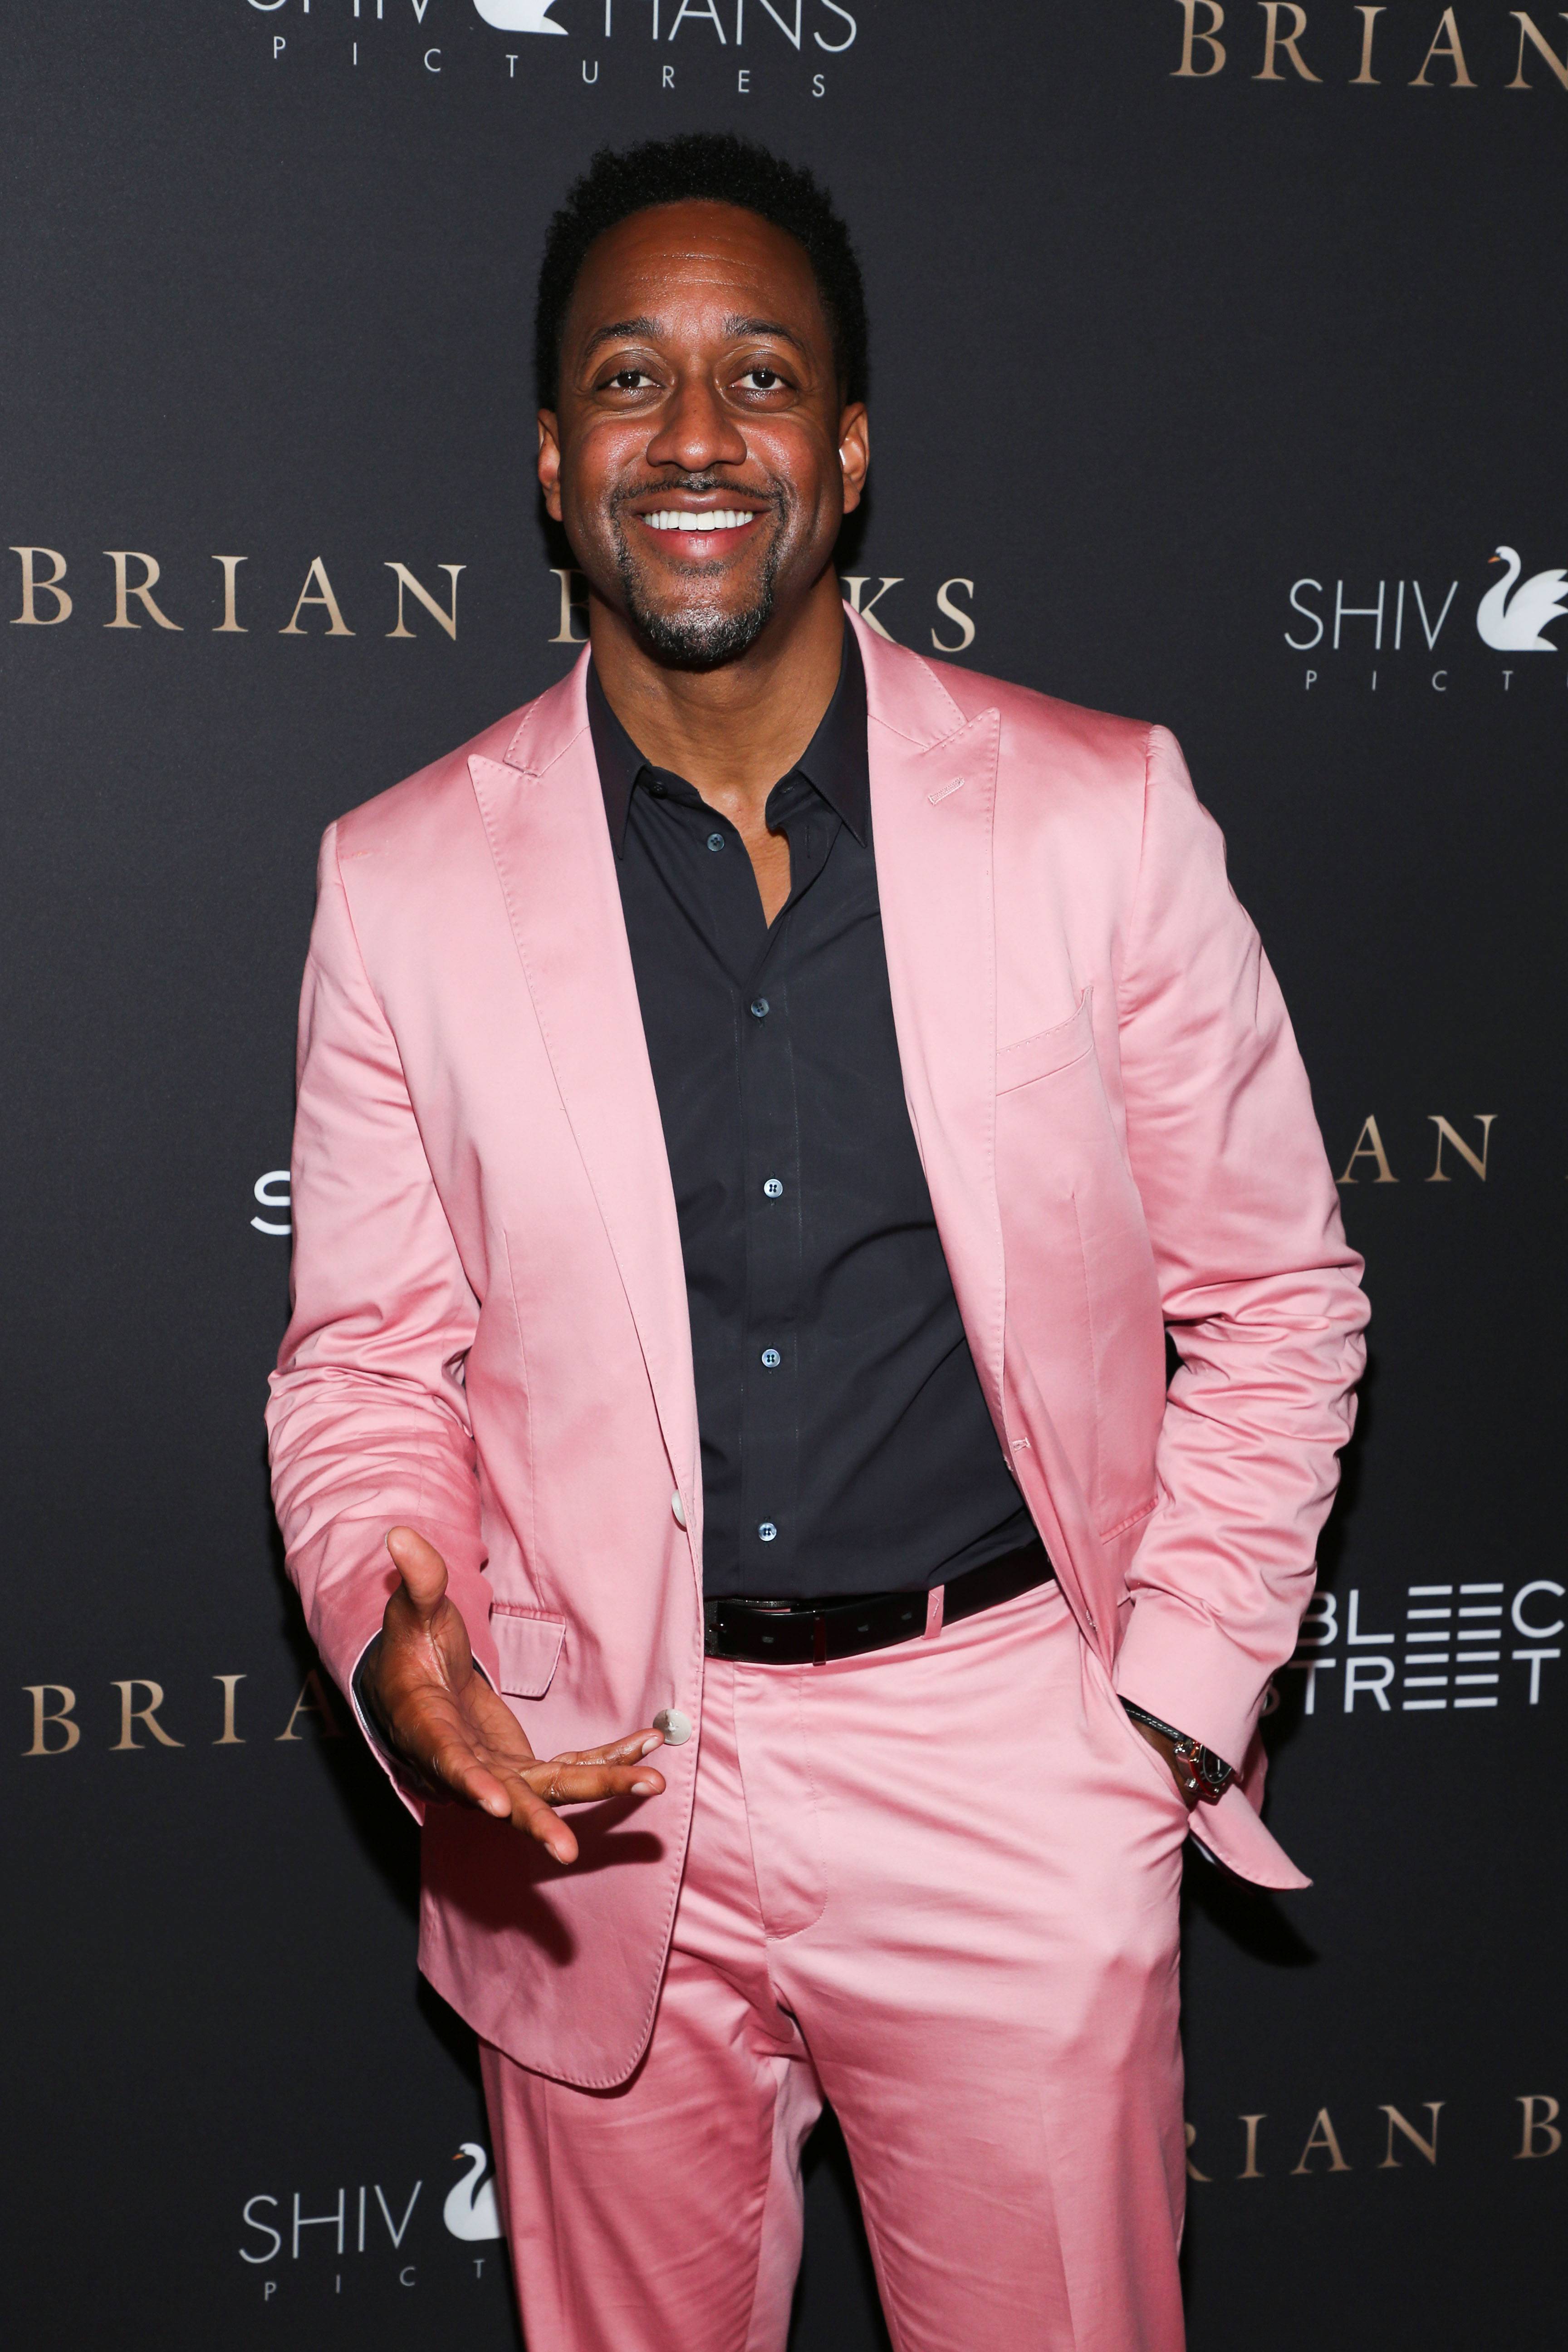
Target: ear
549	462
854	452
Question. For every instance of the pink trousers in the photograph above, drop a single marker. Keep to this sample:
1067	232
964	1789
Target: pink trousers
936	1886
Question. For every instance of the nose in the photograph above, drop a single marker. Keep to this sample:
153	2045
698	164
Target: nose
696	431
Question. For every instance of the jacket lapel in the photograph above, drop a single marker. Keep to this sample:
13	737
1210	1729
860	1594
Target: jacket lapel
545	815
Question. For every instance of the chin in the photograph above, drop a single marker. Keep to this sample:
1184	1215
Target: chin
702	641
700	637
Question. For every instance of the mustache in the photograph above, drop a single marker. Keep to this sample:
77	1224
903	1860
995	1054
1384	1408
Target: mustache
697	486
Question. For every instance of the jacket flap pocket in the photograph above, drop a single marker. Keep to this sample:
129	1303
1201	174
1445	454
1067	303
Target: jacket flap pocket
1047	1049
527	1643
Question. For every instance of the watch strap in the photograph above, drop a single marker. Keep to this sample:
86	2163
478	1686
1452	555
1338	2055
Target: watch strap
1208	1775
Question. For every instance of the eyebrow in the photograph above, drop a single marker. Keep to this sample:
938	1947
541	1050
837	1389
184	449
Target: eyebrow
763	327
618	328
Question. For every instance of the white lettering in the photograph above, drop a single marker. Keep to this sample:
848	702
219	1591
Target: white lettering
708	10
1343	611
1430	630
398	2234
1355	1638
264	2228
272	1192
321	2221
1373	1674
1522	1623
1305	644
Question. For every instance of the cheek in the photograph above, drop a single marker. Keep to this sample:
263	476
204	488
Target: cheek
597	462
809	473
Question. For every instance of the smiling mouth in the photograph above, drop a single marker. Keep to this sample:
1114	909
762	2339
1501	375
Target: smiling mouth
700	521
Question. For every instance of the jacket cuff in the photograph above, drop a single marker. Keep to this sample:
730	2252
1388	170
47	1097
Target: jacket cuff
1181	1667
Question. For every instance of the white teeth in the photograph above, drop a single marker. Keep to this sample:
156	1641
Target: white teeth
685	518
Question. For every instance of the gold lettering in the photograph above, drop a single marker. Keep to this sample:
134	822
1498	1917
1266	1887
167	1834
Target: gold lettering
566	634
147	1715
1449	49
312	1700
230	621
29	617
945	604
856	586
124	589
1396	2122
44	1716
1530	32
1193	2172
321	595
405	579
1249	2171
1187	70
1322	2135
1534	2125
1274	41
1369	18
1445	1135
228	1737
1369	1146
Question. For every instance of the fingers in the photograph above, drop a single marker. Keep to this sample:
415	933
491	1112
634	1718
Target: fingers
421	1567
616	1769
505	1780
630	1751
539	1789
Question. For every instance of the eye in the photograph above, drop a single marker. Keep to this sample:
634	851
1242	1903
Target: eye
627	379
762	379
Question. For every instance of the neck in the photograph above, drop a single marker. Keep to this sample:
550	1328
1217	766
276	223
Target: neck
732	732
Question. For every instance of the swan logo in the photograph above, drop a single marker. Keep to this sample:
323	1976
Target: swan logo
470	2211
1510	618
520	16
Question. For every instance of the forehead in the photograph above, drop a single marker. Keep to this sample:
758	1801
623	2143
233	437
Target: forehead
698	262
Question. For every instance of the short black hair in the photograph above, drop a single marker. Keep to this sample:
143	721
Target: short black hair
714	167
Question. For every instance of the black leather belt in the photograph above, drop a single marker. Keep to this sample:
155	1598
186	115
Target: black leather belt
809	1633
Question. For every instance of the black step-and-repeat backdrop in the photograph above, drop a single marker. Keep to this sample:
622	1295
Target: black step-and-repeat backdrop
1218	375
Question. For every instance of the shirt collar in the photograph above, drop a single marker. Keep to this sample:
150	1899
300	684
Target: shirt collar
836	761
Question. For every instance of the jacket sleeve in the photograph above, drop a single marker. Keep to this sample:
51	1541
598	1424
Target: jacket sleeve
367	1419
1260	1289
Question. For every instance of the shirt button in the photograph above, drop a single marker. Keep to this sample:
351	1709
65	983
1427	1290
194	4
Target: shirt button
676	1726
773	1189
772	1358
759	1008
679	1508
715	840
767	1531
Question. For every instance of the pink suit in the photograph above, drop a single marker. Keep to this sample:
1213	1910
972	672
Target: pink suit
489	1341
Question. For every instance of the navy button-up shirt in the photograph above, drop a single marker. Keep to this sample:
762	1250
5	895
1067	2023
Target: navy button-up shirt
846	1447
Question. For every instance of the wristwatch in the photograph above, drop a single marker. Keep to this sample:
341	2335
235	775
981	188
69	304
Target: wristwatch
1208	1775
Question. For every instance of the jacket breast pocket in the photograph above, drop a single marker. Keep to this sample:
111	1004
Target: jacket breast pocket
1047	1049
527	1643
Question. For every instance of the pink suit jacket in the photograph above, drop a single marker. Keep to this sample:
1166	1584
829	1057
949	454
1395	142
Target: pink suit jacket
489	1337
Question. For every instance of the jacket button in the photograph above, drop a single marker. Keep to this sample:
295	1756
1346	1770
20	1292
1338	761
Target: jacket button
679	1508
676	1726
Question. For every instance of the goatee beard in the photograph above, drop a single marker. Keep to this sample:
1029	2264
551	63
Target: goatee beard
697	638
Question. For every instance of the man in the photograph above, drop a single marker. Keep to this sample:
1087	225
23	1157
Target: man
760	1108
